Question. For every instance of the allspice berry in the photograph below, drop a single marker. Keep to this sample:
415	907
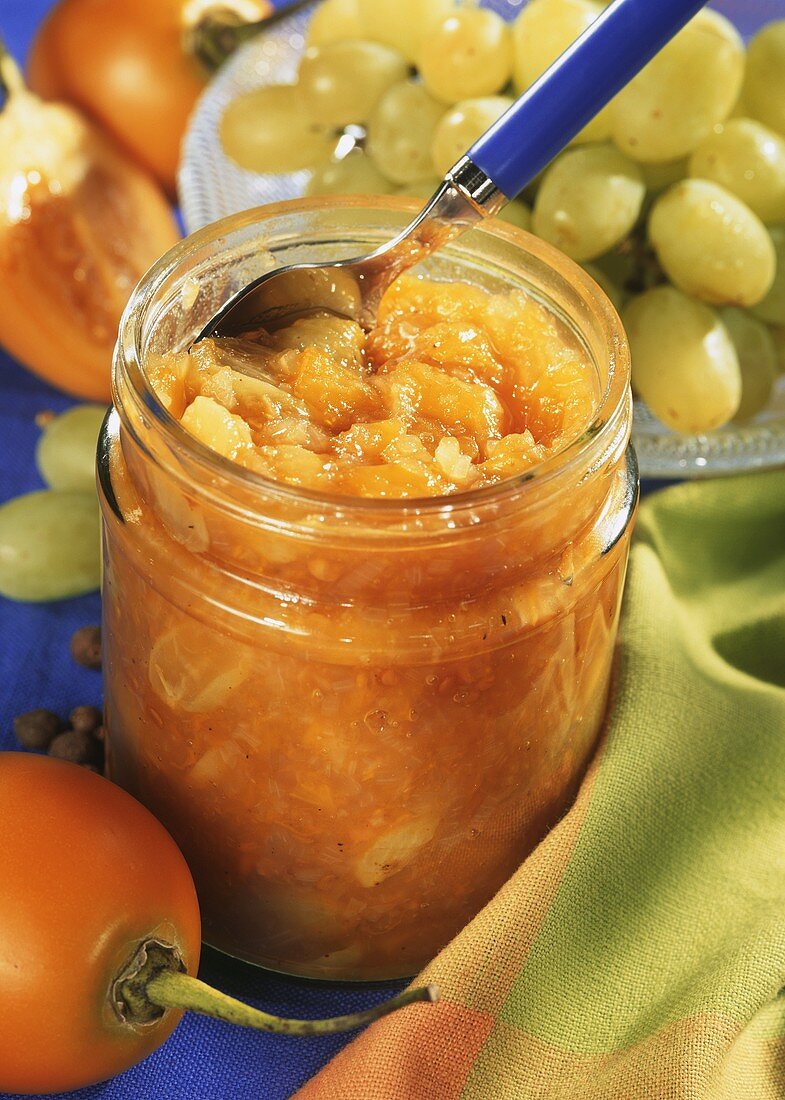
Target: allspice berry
86	646
36	729
86	719
77	747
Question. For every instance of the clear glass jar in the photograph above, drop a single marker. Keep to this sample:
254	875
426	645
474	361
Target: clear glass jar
355	716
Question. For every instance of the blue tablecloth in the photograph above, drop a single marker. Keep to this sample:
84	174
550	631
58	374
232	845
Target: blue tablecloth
204	1059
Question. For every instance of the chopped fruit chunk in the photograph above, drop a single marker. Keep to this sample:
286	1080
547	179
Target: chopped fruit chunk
335	394
213	425
417	391
449	372
394	850
185	673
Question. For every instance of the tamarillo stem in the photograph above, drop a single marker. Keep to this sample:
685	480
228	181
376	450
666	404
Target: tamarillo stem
155	980
171	989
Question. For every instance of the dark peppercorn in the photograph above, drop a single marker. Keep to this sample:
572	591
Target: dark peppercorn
86	719
36	729
86	646
76	746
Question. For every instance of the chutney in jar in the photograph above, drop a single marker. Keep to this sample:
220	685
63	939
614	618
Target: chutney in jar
360	596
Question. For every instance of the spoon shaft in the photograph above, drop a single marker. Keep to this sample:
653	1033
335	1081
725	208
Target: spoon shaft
575	88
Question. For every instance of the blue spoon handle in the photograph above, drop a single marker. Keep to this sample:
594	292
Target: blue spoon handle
579	84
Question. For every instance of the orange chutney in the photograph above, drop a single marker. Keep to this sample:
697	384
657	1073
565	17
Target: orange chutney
360	606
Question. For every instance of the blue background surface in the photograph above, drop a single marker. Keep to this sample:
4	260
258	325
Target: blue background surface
204	1059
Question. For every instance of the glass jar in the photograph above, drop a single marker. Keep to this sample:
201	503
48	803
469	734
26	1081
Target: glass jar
356	717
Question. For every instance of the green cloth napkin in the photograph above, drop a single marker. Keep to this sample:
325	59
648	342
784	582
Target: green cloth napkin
640	951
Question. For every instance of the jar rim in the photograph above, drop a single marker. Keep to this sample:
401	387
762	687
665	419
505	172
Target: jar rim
610	416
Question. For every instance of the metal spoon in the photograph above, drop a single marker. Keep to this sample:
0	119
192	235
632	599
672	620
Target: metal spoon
496	168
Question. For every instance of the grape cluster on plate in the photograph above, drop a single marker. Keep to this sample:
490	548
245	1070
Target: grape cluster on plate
673	197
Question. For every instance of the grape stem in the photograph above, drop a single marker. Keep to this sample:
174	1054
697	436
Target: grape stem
155	980
11	80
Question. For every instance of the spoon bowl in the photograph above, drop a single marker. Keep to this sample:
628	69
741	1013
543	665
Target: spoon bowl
353	288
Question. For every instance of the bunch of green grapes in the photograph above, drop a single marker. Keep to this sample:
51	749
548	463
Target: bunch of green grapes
672	197
422	78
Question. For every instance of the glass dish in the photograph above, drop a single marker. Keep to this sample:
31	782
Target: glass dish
212	186
355	716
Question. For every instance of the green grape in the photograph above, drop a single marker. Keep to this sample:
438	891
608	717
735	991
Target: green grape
757	357
65	455
747	159
419	189
606	284
517	213
403	24
470	55
622	267
529	193
690	86
588	201
659	176
684	364
400	132
599	129
541	33
764	83
269	130
543	30
354	174
343	81
777	333
334	21
711	245
49	545
461	127
772	308
740	109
